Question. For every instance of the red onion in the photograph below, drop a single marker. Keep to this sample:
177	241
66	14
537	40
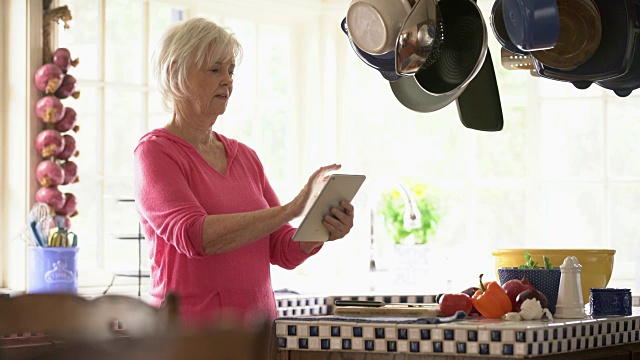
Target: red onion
69	148
69	207
68	88
50	196
49	109
70	172
49	173
49	143
48	78
62	58
68	121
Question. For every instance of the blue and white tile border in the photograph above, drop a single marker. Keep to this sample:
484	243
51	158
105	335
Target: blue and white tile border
467	337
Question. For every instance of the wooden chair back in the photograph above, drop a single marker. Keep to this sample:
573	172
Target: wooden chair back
74	317
122	327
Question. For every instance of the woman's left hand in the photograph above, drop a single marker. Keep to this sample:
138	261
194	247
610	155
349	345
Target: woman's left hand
339	224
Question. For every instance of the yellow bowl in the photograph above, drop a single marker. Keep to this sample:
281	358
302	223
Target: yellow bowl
597	264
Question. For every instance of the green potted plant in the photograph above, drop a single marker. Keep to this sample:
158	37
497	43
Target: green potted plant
392	208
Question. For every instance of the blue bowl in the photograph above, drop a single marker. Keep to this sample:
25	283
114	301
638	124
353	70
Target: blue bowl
500	31
532	24
546	281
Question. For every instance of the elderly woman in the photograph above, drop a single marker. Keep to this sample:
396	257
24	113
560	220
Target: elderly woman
213	221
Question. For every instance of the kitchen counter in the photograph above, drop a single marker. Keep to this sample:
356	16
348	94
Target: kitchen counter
314	336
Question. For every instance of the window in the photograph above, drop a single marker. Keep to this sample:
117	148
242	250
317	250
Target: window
564	172
114	40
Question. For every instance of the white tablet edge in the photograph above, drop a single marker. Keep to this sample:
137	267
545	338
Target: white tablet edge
338	187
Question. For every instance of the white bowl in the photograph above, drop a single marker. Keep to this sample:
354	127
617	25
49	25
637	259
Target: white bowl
374	25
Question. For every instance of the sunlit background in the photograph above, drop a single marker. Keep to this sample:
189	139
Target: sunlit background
564	172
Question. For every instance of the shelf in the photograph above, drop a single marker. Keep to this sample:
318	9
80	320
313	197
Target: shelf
133	273
128	236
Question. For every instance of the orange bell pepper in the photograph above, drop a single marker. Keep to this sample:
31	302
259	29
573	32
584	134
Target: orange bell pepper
491	300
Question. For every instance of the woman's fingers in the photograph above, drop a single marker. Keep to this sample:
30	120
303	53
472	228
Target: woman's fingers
341	222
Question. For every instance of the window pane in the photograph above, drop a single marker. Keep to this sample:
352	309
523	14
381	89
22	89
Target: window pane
625	227
125	56
503	153
623	129
82	38
86	224
87	121
161	16
549	88
573	216
123	128
501	217
121	218
239	120
158	116
572	138
274	118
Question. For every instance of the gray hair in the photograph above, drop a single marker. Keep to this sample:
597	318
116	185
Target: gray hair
196	41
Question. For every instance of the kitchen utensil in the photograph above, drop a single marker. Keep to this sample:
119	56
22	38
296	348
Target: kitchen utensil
384	63
479	106
570	303
420	39
410	93
532	24
463	52
624	84
500	30
613	56
514	61
580	34
375	24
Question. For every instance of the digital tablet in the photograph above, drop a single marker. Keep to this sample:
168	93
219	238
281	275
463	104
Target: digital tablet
339	187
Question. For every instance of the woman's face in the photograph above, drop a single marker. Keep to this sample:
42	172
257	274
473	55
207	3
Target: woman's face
211	87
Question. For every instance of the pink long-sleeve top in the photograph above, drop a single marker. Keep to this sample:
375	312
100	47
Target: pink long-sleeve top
175	189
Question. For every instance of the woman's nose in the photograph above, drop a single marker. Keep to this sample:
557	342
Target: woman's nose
228	79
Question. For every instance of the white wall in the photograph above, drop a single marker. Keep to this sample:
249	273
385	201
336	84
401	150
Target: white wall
22	24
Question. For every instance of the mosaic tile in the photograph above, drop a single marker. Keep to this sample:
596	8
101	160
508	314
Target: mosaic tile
472	336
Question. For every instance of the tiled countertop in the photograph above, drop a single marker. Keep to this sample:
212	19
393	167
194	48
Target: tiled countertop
470	337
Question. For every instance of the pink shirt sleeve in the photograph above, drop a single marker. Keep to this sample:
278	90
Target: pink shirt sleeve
164	200
284	252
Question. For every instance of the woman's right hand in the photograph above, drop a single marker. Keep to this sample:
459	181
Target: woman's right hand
297	205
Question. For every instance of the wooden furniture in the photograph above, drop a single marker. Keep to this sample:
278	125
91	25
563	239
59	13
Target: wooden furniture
620	352
119	327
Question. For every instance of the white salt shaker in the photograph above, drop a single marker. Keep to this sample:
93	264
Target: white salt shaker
570	304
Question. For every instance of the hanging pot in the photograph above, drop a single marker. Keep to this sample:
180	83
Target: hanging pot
384	63
463	53
580	34
613	56
623	85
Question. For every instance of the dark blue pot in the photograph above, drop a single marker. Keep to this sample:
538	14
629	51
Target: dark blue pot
546	281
